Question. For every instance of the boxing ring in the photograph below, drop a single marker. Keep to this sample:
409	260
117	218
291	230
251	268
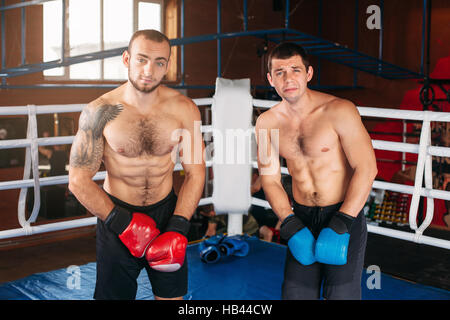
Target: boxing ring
270	256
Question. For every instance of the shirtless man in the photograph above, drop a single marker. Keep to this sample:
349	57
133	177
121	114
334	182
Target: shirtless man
141	222
330	158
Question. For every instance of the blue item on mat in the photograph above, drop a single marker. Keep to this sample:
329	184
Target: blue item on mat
235	246
217	247
209	250
209	254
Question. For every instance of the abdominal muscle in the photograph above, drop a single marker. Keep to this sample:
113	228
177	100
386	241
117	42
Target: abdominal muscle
317	185
139	181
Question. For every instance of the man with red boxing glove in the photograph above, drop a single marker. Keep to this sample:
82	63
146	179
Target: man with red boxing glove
135	131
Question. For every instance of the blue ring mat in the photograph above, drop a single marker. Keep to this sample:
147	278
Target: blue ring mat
257	276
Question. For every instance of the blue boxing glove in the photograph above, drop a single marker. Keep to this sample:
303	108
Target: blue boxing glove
209	254
209	249
332	243
234	246
300	240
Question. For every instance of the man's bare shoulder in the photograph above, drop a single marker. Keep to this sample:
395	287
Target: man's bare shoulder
339	106
97	113
178	103
107	99
269	118
340	103
342	113
97	103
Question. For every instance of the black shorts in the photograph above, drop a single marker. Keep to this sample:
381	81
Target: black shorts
263	216
339	282
117	269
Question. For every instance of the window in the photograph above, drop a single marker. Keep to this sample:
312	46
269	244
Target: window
52	35
93	26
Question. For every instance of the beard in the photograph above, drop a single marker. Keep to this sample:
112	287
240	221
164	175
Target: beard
143	89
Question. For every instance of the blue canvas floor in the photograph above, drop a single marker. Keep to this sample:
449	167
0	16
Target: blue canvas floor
257	276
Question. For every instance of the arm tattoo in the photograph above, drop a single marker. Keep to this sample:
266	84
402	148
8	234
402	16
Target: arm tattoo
87	148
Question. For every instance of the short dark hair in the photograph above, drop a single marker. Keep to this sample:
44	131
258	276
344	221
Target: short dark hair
286	50
148	34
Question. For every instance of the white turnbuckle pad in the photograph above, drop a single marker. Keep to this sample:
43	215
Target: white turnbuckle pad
232	111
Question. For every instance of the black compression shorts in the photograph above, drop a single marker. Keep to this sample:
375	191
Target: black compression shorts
339	282
117	269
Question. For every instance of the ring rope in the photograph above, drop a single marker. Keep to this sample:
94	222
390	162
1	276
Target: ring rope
424	169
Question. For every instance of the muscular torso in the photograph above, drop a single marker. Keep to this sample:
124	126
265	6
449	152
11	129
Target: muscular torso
138	153
314	156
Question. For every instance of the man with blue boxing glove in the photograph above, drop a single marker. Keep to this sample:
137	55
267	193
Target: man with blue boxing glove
332	243
329	155
301	241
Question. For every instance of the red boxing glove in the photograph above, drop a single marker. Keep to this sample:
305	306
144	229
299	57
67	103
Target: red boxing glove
167	252
136	231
